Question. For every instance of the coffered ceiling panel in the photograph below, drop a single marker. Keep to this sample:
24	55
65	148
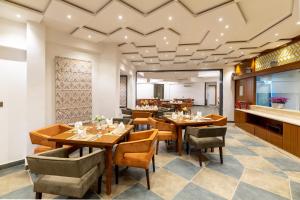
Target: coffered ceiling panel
124	35
146	6
39	5
200	6
89	5
148	51
128	47
89	35
186	49
166	56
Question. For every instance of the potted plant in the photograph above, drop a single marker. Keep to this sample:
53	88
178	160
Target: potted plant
99	120
278	102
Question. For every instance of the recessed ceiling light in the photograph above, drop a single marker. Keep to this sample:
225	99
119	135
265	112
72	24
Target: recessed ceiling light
165	37
150	60
227	26
170	18
220	19
230	47
146	51
69	16
222	34
18	15
186	49
298	22
120	17
242	52
126	37
276	34
89	36
167	43
217	40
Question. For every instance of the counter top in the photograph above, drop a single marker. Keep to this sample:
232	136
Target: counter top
275	114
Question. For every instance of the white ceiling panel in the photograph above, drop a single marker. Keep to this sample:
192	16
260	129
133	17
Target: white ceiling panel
145	6
89	35
39	5
90	5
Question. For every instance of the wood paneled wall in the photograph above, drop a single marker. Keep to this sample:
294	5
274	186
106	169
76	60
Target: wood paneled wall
248	85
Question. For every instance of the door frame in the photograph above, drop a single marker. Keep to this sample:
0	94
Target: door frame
214	84
184	70
125	76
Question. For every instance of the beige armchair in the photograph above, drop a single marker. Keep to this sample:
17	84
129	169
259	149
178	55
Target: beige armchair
65	176
137	152
206	137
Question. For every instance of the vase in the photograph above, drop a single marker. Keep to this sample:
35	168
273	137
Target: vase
278	105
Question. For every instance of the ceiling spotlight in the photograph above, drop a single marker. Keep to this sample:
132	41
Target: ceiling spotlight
242	52
230	47
167	43
89	36
222	34
217	40
120	17
220	19
276	34
126	37
146	51
69	16
170	18
165	37
298	22
227	26
151	60
186	49
18	15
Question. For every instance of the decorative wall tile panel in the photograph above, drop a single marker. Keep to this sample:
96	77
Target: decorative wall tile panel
279	57
73	90
123	91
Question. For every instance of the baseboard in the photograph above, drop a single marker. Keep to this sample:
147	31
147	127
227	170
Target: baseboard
12	164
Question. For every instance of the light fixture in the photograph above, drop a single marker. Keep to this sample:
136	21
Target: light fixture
170	18
165	37
186	49
298	22
217	40
230	47
276	34
126	37
220	19
89	36
167	43
227	26
242	52
221	34
69	16
146	51
18	16
120	17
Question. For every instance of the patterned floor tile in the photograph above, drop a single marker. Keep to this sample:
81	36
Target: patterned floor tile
295	190
182	168
268	182
24	193
252	142
231	166
265	151
249	192
165	184
138	192
213	181
256	162
233	142
192	192
285	164
294	176
10	170
241	151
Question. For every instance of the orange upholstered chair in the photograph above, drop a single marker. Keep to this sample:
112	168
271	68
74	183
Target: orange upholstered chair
137	152
166	131
41	136
140	118
220	120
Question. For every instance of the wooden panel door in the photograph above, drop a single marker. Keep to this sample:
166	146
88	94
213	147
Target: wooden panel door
291	138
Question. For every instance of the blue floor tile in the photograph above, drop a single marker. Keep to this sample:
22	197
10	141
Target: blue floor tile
295	190
285	164
193	192
241	151
139	192
182	168
253	143
22	193
249	192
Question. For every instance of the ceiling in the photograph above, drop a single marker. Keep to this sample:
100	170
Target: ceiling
169	32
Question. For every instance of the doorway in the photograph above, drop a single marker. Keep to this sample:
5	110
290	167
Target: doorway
210	94
159	91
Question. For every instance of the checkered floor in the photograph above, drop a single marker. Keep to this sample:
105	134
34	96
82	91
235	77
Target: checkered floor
252	169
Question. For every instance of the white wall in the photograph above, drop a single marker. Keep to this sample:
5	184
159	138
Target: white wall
144	91
228	93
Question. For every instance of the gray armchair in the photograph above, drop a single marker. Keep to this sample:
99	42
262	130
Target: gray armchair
65	176
204	138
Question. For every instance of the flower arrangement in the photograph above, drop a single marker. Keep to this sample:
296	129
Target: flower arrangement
99	118
281	100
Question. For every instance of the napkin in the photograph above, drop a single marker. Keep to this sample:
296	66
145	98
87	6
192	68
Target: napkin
174	116
77	125
119	129
109	121
199	114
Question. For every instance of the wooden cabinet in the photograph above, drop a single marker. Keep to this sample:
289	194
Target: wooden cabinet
261	133
291	138
275	139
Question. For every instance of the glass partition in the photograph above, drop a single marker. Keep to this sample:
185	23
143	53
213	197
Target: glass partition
284	84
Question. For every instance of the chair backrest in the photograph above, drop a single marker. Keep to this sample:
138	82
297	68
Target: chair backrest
211	131
126	111
220	120
141	114
55	162
124	120
152	122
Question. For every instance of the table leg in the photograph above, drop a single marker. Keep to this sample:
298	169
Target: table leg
179	140
108	167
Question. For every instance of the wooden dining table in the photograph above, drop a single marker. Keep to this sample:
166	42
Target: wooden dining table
182	123
105	140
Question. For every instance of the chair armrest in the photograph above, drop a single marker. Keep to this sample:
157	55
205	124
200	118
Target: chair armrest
71	167
140	135
134	146
162	126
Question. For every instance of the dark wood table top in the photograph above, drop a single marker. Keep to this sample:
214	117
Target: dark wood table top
188	122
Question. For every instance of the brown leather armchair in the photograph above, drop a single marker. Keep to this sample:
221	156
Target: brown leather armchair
140	118
137	152
220	120
41	136
166	131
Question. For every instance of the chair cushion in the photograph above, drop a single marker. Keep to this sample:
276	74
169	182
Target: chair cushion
41	148
166	135
140	160
66	186
140	121
207	142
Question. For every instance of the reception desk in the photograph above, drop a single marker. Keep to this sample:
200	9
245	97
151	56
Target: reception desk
277	126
